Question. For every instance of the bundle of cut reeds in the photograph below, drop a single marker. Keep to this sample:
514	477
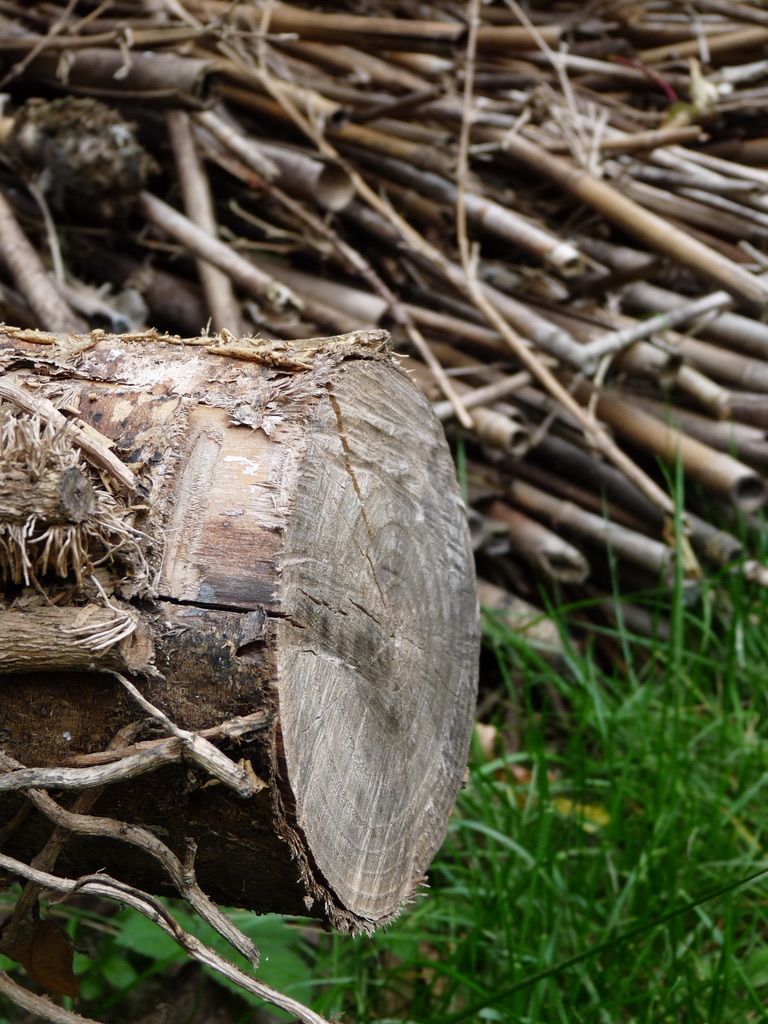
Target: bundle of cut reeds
559	212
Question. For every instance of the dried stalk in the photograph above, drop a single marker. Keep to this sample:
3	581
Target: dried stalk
597	436
716	44
274	294
546	550
651	555
523	618
195	190
302	175
473	397
109	888
646	226
718	302
354	62
248	150
31	278
748	443
554	483
729	329
380	90
692	213
485	215
716	471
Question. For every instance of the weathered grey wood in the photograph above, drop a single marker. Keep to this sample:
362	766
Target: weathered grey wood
304	555
373	644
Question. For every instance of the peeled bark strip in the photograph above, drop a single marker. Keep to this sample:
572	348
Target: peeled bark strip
309	560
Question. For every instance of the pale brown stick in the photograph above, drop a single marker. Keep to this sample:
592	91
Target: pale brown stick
747	443
745	37
730	329
196	193
32	279
352	61
485	214
523	618
486	394
364	309
631	142
643	551
324	182
716	302
263	287
243	147
555	557
715	470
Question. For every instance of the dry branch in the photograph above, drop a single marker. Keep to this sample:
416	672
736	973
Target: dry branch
109	888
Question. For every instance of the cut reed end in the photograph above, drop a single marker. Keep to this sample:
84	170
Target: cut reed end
335	190
749	492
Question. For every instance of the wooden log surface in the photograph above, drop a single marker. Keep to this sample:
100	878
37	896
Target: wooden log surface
294	545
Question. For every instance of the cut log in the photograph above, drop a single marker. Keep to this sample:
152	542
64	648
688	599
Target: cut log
290	544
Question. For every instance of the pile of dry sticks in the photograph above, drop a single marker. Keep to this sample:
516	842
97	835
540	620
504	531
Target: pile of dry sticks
559	211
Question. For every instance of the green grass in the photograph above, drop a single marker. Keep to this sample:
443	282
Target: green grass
609	869
602	866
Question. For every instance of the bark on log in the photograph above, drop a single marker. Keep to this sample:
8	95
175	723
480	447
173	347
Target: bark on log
294	545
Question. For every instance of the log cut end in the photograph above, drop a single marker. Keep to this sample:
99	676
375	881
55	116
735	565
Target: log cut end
310	566
377	642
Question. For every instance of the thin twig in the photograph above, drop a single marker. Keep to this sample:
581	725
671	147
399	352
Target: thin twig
128	767
40	1006
235	730
182	875
709	305
109	888
197	749
275	294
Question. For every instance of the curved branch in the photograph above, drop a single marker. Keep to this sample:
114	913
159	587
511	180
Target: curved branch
110	888
40	1006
